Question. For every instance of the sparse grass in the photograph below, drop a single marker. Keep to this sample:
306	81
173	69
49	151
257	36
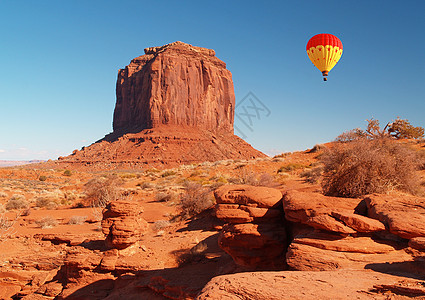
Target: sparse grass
77	220
365	166
47	222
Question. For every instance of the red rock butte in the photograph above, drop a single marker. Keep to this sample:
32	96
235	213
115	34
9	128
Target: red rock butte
175	105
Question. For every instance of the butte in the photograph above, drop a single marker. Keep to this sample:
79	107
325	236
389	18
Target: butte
175	105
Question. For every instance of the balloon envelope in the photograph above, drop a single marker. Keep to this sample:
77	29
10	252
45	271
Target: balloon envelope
324	51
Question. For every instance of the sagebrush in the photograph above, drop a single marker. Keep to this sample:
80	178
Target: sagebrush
365	166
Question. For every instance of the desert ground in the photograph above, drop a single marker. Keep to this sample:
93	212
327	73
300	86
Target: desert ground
53	247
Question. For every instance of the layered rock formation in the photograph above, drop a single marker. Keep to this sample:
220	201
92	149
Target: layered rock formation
122	224
175	105
176	84
254	235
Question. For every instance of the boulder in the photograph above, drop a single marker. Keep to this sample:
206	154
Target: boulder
254	235
255	196
254	245
404	215
122	224
333	214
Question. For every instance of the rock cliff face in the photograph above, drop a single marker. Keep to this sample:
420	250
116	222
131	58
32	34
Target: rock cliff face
175	105
176	84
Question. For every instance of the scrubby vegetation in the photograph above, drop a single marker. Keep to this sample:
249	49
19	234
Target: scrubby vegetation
365	166
102	190
195	199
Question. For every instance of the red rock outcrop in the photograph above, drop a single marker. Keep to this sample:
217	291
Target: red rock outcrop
175	105
122	224
404	215
329	233
344	284
176	84
254	234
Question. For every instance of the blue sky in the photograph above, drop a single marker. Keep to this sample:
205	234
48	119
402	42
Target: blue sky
59	62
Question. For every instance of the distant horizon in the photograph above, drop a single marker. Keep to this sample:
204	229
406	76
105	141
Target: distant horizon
60	63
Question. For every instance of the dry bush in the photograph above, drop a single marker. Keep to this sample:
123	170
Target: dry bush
190	256
367	166
47	222
312	175
160	225
17	202
195	199
251	178
6	225
77	220
103	190
3	195
168	196
43	202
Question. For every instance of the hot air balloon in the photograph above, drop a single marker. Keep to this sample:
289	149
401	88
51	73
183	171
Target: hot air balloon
324	51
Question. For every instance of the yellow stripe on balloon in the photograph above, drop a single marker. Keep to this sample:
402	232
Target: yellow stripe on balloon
324	57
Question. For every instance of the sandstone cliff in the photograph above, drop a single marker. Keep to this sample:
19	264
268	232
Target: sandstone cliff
176	84
175	105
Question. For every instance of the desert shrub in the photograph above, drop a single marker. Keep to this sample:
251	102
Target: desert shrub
3	195
250	177
77	220
291	167
161	224
47	222
17	202
43	202
193	255
102	190
166	196
146	185
67	173
195	199
312	175
168	173
42	178
2	209
368	166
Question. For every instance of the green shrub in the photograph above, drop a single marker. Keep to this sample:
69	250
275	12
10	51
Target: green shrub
67	173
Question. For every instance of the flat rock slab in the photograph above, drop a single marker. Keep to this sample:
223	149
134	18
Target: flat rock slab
304	257
345	284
